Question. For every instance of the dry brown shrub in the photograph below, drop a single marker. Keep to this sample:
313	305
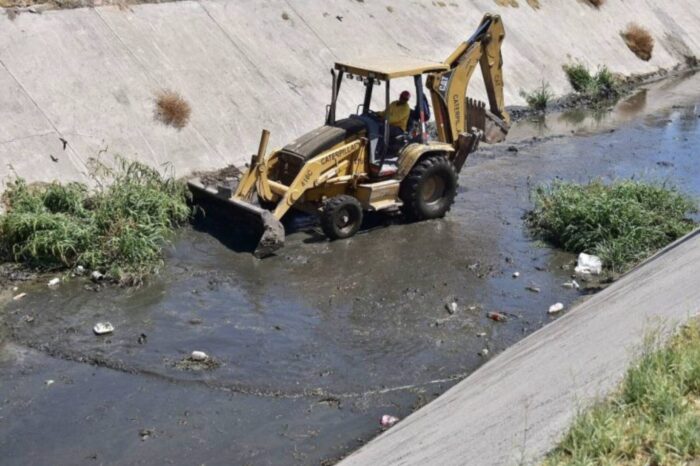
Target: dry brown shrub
639	41
172	109
507	3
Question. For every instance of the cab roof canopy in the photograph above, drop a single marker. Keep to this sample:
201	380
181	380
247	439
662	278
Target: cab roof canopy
390	68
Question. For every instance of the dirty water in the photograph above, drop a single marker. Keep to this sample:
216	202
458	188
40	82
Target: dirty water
314	345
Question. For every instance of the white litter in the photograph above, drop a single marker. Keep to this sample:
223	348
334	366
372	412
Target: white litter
96	276
554	308
388	420
199	356
589	264
572	284
481	334
54	281
49	382
516	274
102	328
19	296
451	307
484	352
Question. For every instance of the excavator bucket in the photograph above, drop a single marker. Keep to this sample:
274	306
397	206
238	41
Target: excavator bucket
267	232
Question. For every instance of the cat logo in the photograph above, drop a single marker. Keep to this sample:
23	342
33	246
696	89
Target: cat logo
443	83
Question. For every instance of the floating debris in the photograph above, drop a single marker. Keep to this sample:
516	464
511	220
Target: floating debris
103	328
388	420
451	307
589	264
555	308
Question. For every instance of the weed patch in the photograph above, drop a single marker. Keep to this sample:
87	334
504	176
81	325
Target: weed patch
539	98
623	222
639	41
172	109
653	419
120	228
599	86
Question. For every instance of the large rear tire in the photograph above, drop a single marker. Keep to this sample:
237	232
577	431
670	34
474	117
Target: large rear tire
430	188
341	217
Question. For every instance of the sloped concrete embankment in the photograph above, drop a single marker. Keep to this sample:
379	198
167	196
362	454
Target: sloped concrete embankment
514	408
89	75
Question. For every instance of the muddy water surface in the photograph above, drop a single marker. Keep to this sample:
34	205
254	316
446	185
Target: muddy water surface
315	344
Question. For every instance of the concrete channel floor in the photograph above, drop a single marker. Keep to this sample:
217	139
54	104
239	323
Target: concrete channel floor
513	409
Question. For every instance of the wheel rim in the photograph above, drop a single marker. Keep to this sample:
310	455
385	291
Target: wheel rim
345	220
433	189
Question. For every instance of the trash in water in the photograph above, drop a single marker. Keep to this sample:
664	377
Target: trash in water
102	328
54	281
572	284
80	270
199	356
388	420
497	316
589	264
516	274
484	352
96	276
554	308
481	334
19	296
49	382
534	289
451	307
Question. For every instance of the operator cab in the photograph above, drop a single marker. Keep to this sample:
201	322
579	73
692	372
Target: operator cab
383	150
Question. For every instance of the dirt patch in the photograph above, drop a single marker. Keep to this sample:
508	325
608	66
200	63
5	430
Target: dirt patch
228	174
195	365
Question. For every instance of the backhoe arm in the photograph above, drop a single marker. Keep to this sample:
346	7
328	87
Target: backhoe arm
454	113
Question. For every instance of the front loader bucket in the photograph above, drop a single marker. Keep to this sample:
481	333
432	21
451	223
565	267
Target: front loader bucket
219	206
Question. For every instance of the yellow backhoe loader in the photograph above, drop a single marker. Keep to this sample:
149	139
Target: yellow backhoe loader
359	163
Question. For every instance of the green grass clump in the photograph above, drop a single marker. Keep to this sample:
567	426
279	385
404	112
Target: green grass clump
623	222
654	419
121	228
598	86
539	98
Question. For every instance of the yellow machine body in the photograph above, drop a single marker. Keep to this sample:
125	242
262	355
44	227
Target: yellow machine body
335	159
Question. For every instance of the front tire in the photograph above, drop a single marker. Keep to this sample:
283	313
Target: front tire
341	217
430	188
